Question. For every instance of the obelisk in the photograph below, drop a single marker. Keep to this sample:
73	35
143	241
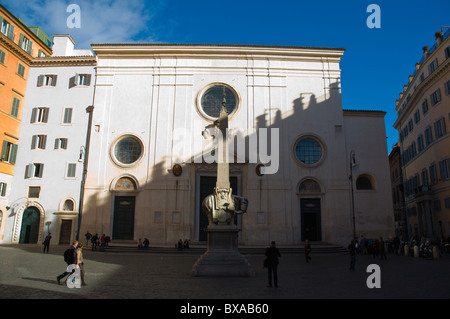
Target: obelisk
222	257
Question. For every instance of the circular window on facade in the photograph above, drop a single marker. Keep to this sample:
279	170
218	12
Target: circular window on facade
308	151
214	96
127	150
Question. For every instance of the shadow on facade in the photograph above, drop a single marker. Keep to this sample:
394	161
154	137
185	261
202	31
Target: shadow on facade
165	208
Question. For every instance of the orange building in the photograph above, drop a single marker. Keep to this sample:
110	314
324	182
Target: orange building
18	46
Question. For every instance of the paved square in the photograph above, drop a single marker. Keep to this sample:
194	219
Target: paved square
26	272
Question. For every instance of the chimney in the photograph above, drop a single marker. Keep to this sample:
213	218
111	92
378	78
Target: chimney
439	38
425	51
417	66
410	77
63	45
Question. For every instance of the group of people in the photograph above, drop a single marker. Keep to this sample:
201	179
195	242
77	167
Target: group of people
143	244
74	257
374	246
96	241
182	244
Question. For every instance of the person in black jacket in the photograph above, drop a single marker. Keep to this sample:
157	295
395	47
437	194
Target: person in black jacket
272	254
71	260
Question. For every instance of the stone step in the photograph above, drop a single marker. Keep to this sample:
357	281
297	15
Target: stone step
198	249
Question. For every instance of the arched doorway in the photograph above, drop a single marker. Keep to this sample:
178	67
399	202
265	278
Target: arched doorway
125	190
310	210
29	231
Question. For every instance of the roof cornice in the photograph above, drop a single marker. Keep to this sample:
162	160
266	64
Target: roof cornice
159	49
364	113
15	49
65	61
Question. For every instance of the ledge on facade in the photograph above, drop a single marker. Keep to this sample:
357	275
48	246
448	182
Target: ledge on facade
374	113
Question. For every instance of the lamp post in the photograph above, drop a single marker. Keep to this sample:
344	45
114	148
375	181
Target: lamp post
84	150
352	164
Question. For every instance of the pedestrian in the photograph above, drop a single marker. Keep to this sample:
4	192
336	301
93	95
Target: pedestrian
272	254
88	236
382	249
46	242
69	258
80	262
102	242
307	250
94	242
375	248
363	245
352	253
146	243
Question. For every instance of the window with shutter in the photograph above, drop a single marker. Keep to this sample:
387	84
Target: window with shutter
34	170
2	57
39	115
15	107
71	170
39	142
9	152
21	70
67	115
3	189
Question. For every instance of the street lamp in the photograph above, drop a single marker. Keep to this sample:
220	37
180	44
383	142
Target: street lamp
84	158
352	164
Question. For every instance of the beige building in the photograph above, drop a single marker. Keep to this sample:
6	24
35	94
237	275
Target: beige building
423	123
153	102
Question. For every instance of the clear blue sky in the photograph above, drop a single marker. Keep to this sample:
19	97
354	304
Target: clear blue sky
375	66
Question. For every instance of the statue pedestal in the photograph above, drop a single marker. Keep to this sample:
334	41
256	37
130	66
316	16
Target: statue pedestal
222	257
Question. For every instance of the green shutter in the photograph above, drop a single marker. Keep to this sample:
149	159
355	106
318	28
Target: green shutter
4	150
40	80
68	115
2	57
29	46
45	118
15	107
21	39
33	142
3	187
13	156
11	32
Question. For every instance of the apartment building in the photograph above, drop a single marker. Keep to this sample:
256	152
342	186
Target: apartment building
423	124
19	45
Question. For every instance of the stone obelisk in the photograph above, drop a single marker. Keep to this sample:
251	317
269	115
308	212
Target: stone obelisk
222	257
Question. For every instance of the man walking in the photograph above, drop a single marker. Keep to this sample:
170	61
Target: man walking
272	254
69	258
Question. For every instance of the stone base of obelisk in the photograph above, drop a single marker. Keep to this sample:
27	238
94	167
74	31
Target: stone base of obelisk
222	257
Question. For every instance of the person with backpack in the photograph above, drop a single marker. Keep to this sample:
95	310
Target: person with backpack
69	258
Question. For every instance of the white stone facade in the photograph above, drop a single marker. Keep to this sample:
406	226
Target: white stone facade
48	172
148	97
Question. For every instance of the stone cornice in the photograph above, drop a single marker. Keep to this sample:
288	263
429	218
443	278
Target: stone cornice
214	50
15	49
417	95
364	113
65	61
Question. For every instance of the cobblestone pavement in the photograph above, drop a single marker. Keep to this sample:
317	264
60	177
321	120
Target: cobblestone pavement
27	273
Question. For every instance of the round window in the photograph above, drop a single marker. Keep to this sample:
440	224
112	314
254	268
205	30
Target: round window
127	150
213	97
308	151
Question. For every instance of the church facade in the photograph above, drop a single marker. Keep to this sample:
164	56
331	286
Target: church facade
309	169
